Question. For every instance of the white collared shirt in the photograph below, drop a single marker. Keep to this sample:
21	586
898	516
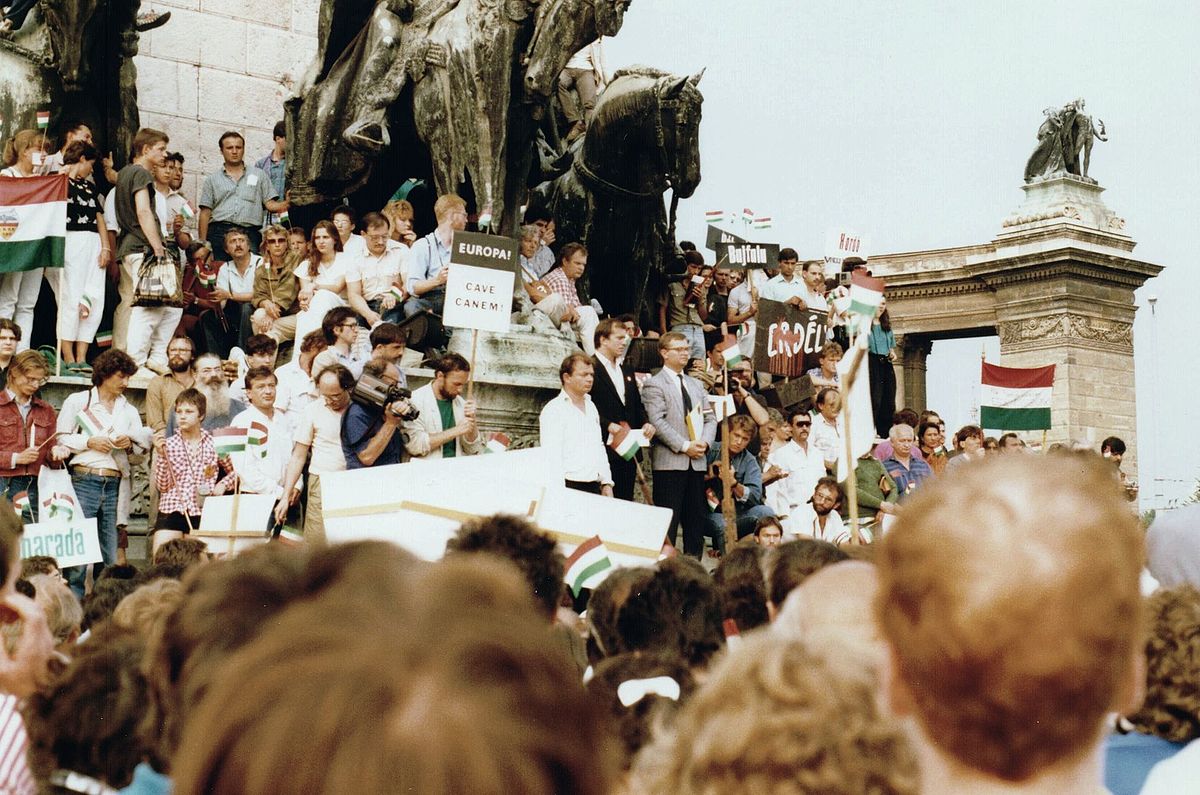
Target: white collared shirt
262	469
614	374
123	420
804	468
377	274
573	438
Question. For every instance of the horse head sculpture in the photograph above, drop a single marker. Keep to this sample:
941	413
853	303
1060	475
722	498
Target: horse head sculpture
680	102
563	28
67	26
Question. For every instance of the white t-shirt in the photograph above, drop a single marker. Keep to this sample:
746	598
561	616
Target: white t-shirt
327	275
230	280
321	429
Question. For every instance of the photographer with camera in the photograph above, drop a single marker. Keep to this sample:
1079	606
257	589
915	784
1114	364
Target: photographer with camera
371	432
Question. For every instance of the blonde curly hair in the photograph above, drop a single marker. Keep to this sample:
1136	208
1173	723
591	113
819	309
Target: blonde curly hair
1171	709
776	718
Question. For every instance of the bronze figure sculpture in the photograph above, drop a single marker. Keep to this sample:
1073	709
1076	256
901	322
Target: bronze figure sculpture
1064	135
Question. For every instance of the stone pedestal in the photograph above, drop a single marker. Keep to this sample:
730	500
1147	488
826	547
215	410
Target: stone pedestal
515	374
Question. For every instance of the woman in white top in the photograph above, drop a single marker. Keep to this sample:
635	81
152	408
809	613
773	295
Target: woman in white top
24	154
322	280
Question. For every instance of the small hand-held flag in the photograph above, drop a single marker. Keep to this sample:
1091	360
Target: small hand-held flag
43	119
497	443
20	502
866	294
89	424
623	442
284	218
229	440
730	351
747	215
186	211
256	438
588	565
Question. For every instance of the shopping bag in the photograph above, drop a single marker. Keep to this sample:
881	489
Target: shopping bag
56	497
158	282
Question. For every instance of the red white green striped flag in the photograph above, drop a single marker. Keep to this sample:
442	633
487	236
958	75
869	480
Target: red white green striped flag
866	294
762	223
229	440
43	119
1015	399
623	442
89	424
730	350
284	218
104	339
588	565
396	292
256	439
497	443
33	222
20	502
747	215
58	506
186	210
714	216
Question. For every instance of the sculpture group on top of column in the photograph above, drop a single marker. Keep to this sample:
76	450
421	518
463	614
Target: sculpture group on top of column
1064	143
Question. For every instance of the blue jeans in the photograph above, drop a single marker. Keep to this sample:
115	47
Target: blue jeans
746	519
11	487
434	301
393	315
695	338
97	498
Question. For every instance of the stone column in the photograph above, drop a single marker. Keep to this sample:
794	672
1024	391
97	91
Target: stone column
898	366
912	360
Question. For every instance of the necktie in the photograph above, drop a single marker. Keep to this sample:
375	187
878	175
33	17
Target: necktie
687	399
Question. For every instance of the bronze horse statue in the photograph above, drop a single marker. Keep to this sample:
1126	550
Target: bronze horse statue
643	139
432	89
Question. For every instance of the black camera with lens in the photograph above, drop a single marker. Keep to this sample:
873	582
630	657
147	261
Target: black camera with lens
374	392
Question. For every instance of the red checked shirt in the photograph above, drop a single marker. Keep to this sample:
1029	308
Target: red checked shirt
558	283
180	476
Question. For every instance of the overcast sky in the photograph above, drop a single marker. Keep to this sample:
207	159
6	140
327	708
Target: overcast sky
912	125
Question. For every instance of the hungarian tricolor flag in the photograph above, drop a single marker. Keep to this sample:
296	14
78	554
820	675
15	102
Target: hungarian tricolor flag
89	424
229	440
33	222
747	215
186	210
497	443
623	442
762	223
714	216
1015	399
256	438
730	350
20	502
59	506
866	294
588	565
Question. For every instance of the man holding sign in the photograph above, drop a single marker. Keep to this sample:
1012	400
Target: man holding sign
675	405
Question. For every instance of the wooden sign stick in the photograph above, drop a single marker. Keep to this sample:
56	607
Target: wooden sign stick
728	511
471	377
851	462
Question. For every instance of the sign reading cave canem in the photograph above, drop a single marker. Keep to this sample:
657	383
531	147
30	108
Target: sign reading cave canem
479	288
747	255
785	336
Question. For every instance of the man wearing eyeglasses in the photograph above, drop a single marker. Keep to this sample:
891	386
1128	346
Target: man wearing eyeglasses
677	407
374	277
26	427
341	333
804	467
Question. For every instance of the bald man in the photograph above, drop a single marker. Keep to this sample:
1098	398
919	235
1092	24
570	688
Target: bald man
1009	606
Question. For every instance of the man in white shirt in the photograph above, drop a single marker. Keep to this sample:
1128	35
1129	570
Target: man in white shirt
585	73
340	329
235	291
446	427
788	287
826	437
297	388
262	467
570	430
320	431
804	467
819	516
375	277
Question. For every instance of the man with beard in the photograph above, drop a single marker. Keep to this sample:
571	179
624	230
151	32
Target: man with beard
747	483
210	382
160	398
822	520
804	467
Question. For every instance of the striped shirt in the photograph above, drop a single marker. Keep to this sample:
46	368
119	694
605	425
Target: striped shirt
15	777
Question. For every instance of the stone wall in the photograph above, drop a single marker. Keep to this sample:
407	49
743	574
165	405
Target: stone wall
222	65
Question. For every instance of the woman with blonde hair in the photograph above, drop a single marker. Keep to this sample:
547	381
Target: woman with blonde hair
400	216
24	153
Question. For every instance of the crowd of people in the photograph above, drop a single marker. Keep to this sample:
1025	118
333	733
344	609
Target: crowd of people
932	637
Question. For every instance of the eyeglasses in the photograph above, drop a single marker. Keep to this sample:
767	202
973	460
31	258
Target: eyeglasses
677	349
273	240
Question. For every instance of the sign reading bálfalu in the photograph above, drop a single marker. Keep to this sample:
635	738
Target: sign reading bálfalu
747	255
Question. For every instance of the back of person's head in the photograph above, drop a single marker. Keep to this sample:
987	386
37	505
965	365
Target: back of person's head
1171	708
832	611
640	692
775	717
185	552
604	610
676	611
84	720
743	589
789	564
905	416
99	604
224	606
1009	601
261	345
532	551
64	614
38	564
148	606
119	571
462	691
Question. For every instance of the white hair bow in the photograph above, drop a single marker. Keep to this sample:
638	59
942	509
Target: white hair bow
632	691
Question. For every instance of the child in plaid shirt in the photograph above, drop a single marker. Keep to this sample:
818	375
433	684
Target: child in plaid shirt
185	469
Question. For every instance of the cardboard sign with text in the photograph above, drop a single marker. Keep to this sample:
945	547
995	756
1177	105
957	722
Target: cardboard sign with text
479	288
74	543
787	340
840	244
716	236
738	256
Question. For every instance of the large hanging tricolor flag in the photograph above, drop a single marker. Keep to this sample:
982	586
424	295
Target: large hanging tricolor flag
43	119
33	222
497	443
89	424
588	565
714	216
762	223
866	294
1015	399
623	442
747	215
229	440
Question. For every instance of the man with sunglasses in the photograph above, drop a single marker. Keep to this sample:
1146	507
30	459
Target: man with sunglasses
804	467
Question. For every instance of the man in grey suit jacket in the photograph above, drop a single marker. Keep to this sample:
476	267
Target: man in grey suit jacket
677	450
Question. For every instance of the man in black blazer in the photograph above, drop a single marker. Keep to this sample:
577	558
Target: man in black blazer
615	395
